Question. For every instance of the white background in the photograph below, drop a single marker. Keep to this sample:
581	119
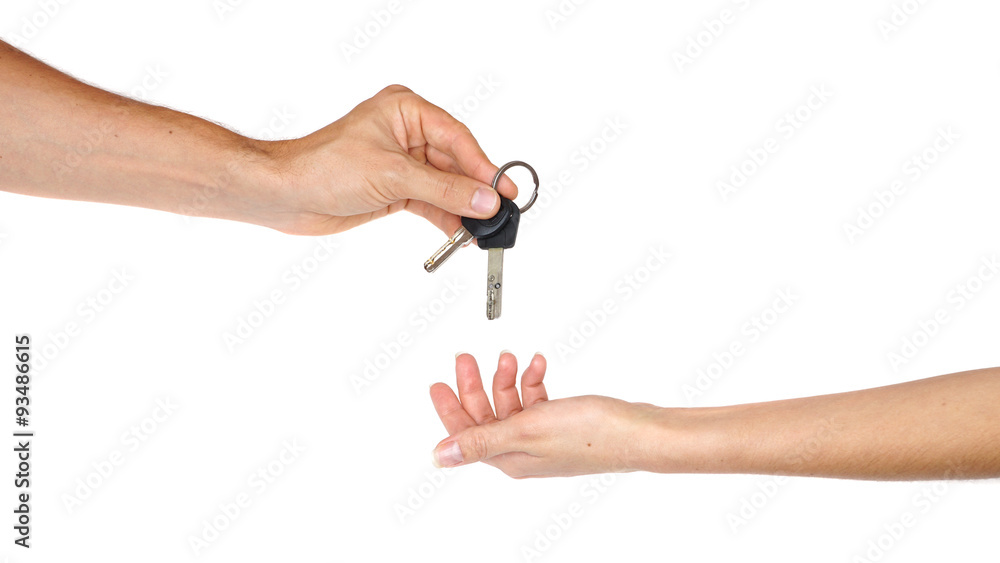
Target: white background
556	85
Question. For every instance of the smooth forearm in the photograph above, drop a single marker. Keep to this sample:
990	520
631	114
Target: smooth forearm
942	427
66	139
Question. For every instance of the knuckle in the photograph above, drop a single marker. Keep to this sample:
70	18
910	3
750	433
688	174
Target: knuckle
462	133
449	188
395	89
462	130
479	445
396	95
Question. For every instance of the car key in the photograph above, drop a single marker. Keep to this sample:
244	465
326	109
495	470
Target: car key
460	239
470	228
494	235
501	239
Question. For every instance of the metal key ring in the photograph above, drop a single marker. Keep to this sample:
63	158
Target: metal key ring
534	176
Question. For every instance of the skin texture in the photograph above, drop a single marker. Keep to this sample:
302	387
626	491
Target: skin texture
945	427
66	139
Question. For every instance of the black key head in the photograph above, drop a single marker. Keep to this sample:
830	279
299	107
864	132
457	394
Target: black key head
487	228
507	235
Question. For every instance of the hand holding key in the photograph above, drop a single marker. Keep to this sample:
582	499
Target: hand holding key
393	152
494	235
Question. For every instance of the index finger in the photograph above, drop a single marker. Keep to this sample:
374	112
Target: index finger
452	138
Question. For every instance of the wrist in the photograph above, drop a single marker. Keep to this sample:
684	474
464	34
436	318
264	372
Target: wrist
254	183
244	184
691	440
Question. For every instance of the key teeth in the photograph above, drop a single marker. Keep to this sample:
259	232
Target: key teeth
494	283
492	305
455	242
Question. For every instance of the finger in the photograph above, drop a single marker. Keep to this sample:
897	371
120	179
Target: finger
505	396
419	154
442	161
449	409
424	123
505	186
532	385
474	444
455	193
447	222
447	163
450	136
470	390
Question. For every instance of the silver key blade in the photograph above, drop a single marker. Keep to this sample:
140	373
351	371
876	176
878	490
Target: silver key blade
457	240
494	283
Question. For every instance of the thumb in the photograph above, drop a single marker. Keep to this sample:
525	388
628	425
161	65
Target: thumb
477	443
455	193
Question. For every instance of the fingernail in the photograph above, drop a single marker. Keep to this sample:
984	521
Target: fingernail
448	456
457	354
483	200
505	351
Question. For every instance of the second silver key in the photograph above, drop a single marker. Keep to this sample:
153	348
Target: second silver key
461	237
494	283
495	245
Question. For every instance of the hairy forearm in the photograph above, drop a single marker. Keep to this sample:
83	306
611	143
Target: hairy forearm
937	428
65	139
